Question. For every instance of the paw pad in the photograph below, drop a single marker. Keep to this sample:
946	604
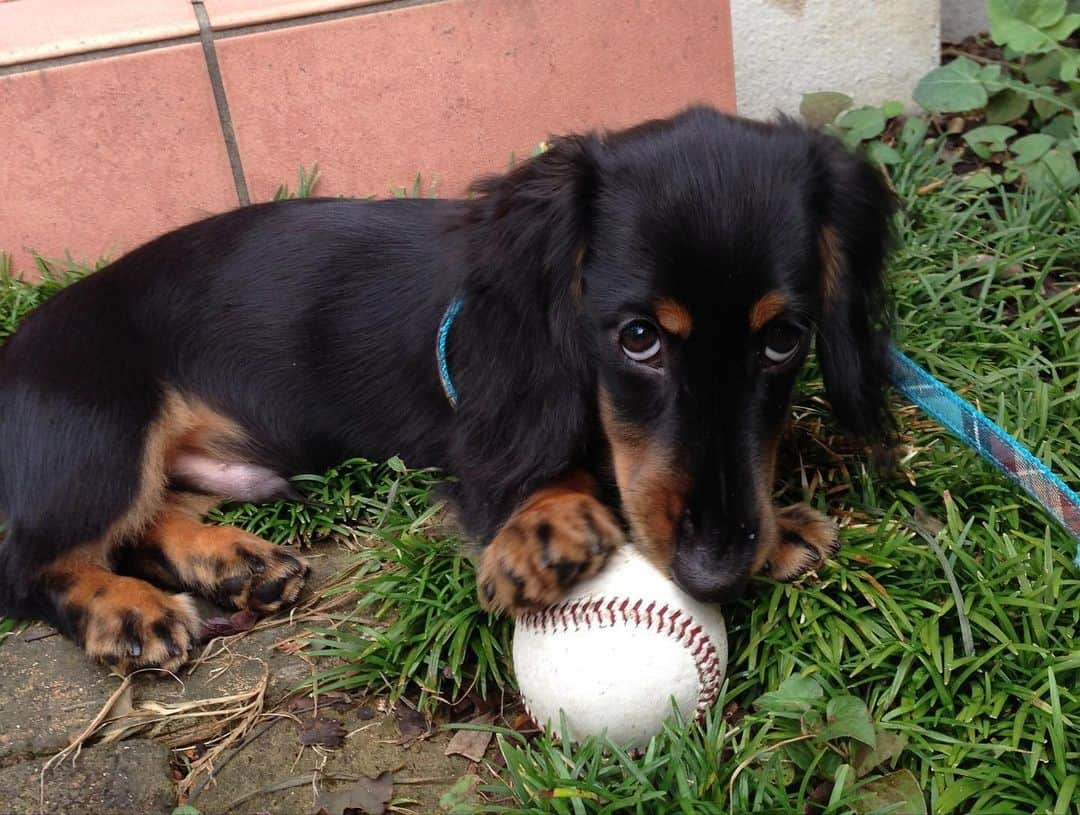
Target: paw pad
545	548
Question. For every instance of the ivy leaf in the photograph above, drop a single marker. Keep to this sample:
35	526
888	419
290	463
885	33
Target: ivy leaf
796	694
993	136
981	180
881	153
1064	27
1055	171
1070	66
892	108
847	717
989	139
1031	148
820	109
952	88
913	133
862	124
895	792
990	76
810	721
457	798
890	746
1038	13
1021	37
1061	127
1020	24
1045	68
1006	106
1047	108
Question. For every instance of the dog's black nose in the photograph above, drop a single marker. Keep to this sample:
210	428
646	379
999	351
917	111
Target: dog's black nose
713	565
705	579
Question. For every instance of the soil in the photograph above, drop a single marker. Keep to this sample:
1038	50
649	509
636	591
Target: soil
279	761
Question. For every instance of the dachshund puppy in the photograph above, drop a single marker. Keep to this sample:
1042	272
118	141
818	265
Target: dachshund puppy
601	343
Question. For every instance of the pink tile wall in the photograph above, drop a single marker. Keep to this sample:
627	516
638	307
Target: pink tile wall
104	149
104	155
450	89
40	29
232	13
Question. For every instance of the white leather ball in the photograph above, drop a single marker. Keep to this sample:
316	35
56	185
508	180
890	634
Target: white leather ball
615	652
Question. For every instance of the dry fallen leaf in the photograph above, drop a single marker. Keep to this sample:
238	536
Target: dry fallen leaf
368	796
338	700
322	731
472	744
523	723
410	723
235	623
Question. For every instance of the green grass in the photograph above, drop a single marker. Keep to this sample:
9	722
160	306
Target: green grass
306	181
420	630
870	689
425	634
987	299
7	627
17	299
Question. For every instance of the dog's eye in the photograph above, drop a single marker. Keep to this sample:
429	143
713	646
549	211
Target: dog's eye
640	340
782	343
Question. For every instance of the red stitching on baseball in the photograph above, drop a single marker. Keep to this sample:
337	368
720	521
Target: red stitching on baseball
590	612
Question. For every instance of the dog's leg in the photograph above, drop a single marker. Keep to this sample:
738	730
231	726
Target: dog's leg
807	538
560	534
233	568
121	621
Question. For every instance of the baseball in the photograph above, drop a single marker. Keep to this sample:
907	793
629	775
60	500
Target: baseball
616	650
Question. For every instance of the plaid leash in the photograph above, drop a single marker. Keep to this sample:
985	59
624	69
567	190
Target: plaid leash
990	441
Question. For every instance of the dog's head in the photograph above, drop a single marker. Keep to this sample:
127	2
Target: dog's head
688	264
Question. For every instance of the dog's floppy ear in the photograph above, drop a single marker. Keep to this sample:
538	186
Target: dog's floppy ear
855	325
518	347
526	230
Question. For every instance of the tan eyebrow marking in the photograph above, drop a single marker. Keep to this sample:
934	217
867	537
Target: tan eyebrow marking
769	306
674	318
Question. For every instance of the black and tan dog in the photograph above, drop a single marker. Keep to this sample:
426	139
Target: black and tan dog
634	308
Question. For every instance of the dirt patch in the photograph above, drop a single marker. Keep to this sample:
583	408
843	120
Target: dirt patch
48	693
129	777
274	772
229	733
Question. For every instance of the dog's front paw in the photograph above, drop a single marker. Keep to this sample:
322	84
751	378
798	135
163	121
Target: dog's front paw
555	539
229	566
254	574
130	625
807	539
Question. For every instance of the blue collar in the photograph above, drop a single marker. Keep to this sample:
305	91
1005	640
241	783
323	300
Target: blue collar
440	349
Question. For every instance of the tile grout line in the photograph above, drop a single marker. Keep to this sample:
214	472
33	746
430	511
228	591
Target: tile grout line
89	56
322	17
206	35
221	34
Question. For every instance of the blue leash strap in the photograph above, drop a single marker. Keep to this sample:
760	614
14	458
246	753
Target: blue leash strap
990	441
451	313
